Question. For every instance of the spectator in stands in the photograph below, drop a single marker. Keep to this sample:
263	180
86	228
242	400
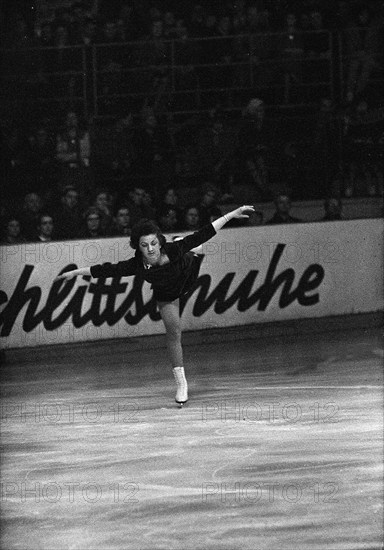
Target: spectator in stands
223	49
91	228
208	209
250	171
67	216
104	203
167	218
239	17
148	205
11	233
361	155
197	22
332	209
79	19
46	34
88	32
215	146
282	213
291	50
73	152
170	198
363	40
137	207
41	162
113	150
294	174
63	61
121	226
29	216
317	50
155	54
130	22
45	228
191	220
169	25
185	56
259	140
324	149
259	49
152	145
13	163
110	58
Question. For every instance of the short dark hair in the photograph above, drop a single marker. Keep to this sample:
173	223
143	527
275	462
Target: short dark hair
145	227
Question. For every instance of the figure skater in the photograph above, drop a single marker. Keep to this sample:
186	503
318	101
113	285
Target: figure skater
171	268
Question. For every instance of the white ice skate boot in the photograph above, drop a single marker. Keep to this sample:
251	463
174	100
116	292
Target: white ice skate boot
182	386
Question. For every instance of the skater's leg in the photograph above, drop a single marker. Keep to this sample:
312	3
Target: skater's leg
170	315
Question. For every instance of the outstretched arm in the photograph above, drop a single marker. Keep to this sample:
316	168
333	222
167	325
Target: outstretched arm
239	213
70	274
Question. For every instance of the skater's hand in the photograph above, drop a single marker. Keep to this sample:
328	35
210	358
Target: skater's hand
240	212
67	276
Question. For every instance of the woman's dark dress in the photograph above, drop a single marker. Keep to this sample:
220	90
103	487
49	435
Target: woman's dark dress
171	280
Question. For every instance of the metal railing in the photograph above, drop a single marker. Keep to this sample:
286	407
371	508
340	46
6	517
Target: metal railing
177	76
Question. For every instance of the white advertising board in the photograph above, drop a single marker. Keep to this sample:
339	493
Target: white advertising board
249	275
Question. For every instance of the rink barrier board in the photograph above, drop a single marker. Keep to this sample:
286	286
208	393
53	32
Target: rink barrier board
249	276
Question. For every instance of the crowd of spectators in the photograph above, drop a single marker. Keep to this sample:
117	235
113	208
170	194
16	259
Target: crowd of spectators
80	178
290	41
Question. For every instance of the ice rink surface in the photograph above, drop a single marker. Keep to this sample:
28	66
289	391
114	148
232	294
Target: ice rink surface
279	447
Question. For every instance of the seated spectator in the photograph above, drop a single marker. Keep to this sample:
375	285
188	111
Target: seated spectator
362	150
29	215
154	55
209	211
291	51
11	233
259	139
333	209
92	228
149	209
103	202
215	146
256	218
152	145
170	198
113	150
41	161
45	228
283	207
138	205
191	220
121	226
73	151
111	58
251	171
13	165
67	216
167	218
363	40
